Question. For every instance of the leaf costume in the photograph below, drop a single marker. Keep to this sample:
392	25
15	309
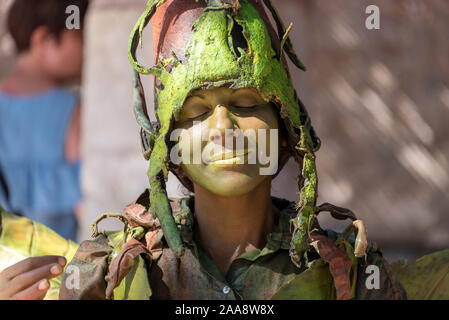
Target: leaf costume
116	268
21	238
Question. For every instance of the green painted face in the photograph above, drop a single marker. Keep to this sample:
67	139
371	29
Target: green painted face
231	127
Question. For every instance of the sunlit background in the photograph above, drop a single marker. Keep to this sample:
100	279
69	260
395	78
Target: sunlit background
379	100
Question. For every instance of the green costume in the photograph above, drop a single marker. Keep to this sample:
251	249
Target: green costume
231	43
258	275
21	238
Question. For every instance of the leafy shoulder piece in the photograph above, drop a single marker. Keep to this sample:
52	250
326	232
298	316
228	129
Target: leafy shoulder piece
22	238
315	283
427	278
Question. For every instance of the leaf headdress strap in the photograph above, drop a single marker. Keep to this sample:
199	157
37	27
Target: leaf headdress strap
286	44
159	202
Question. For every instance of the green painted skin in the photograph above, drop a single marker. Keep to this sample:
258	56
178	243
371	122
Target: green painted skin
213	63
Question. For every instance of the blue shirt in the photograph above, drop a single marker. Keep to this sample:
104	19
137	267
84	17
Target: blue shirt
42	185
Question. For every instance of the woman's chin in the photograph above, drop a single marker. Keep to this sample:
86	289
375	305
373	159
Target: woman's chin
227	181
237	185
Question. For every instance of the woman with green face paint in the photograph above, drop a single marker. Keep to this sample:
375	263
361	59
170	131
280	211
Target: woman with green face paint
228	119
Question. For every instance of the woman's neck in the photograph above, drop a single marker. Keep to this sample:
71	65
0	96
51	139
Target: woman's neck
231	226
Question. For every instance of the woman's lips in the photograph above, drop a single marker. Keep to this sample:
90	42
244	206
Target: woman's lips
228	158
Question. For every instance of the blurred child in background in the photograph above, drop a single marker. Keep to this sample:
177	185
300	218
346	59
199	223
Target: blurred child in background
40	118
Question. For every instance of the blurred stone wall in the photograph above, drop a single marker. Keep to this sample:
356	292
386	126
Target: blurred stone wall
379	100
113	168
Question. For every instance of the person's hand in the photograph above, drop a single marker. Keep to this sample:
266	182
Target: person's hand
28	279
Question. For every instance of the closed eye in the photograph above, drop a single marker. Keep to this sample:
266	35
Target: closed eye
246	98
245	108
196	114
194	108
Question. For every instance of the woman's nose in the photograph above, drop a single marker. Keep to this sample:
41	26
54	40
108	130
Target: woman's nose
220	121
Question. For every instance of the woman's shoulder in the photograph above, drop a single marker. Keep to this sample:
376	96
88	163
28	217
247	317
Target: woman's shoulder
44	94
49	110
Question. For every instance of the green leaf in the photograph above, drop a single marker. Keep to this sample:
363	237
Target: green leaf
315	283
427	278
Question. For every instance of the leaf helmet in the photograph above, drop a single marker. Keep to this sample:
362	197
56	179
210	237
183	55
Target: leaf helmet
211	44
